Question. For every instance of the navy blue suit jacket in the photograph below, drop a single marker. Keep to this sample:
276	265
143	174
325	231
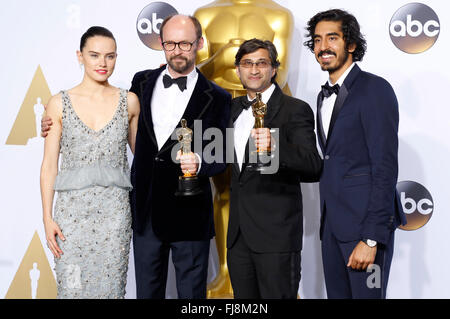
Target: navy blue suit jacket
155	176
358	183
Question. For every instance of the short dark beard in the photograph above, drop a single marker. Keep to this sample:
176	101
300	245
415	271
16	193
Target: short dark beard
340	63
183	68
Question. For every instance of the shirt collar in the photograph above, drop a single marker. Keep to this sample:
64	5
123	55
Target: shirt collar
343	76
265	96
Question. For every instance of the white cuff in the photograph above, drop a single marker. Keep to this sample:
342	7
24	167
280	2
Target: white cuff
199	162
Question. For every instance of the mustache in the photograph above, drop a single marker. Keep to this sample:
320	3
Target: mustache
326	52
178	56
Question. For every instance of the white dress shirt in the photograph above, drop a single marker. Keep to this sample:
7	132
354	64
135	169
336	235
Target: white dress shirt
326	111
244	125
168	105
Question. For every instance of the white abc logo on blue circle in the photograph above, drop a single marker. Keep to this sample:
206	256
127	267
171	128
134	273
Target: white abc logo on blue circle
149	22
414	28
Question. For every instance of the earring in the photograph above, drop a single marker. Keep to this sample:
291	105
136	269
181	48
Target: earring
81	66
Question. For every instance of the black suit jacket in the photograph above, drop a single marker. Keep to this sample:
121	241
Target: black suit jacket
155	176
267	208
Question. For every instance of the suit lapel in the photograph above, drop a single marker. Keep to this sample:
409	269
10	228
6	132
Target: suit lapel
236	110
273	105
146	89
245	160
342	96
320	131
198	104
343	92
238	171
235	165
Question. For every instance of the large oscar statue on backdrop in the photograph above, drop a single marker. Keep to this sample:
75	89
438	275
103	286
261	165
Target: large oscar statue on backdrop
226	24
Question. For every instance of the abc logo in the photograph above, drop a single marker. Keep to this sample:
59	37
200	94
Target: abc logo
149	21
417	204
414	28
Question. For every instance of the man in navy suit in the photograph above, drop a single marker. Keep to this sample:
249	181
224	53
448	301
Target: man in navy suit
163	222
357	125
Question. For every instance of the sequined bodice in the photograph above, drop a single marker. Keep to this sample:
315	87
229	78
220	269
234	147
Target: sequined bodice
92	157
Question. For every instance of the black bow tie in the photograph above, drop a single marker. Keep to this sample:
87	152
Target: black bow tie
181	82
328	90
246	103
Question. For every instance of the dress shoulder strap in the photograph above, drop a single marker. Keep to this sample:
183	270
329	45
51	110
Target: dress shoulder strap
65	102
124	101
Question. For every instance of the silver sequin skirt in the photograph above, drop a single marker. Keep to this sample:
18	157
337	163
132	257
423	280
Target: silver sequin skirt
96	223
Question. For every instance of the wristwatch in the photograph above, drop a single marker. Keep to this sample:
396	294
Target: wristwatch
369	242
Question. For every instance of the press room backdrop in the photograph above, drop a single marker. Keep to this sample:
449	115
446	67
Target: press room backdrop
408	44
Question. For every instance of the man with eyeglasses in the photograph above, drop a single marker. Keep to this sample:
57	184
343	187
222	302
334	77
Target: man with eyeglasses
163	222
265	227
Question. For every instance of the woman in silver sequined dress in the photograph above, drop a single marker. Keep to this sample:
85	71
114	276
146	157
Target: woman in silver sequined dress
90	230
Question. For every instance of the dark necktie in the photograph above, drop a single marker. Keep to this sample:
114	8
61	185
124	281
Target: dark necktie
181	82
328	90
246	103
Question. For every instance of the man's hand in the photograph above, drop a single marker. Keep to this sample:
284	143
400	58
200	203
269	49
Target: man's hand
189	163
362	256
46	124
261	137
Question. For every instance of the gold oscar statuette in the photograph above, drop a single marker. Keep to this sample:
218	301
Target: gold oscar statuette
188	184
259	109
262	156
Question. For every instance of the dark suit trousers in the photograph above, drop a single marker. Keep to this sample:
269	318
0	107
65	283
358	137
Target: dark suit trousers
151	257
341	281
262	275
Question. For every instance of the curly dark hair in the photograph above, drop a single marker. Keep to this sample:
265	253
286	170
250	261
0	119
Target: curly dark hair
350	30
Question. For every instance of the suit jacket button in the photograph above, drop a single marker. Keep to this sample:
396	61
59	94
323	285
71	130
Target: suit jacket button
327	157
156	159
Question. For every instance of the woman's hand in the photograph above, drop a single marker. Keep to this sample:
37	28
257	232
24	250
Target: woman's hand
51	231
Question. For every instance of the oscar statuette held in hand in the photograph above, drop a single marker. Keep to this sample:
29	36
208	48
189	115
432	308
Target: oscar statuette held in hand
260	158
188	183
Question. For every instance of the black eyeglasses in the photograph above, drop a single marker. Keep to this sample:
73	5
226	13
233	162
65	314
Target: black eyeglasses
183	45
248	64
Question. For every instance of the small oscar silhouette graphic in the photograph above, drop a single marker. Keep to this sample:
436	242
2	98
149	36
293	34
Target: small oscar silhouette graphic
34	279
26	125
39	110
